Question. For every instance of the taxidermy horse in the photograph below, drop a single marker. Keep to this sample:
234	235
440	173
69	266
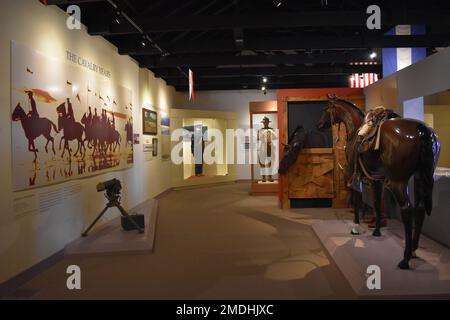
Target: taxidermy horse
300	139
72	131
33	128
407	148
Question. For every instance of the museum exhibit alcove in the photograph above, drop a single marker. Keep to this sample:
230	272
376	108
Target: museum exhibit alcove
199	138
213	155
263	147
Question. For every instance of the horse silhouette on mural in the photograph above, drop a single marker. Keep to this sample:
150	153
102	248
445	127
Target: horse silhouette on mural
72	130
34	126
129	131
100	132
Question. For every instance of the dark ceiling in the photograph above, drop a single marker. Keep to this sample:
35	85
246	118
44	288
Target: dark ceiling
232	44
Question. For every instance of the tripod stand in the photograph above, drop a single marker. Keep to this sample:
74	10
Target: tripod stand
113	201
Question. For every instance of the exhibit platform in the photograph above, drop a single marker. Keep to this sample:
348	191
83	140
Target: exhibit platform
429	276
111	238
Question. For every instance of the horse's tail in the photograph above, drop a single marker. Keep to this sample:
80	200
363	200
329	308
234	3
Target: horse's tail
429	154
54	126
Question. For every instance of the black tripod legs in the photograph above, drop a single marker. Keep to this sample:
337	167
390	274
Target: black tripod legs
122	211
84	234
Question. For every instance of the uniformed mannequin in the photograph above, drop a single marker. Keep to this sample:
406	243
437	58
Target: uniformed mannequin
266	137
197	149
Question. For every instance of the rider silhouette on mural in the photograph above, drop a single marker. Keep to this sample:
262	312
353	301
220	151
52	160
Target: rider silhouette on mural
197	148
89	117
70	116
33	112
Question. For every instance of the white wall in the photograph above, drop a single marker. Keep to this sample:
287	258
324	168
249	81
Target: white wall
35	234
232	101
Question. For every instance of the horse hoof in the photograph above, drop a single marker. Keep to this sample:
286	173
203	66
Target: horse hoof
404	265
354	232
414	255
376	233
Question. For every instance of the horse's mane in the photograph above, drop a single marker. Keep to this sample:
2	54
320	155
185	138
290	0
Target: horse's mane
353	106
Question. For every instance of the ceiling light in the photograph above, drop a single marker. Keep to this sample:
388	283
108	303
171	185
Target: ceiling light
144	40
277	3
373	55
263	88
118	17
264	79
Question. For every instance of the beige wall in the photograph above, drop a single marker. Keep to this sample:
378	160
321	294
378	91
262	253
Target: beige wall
382	93
35	234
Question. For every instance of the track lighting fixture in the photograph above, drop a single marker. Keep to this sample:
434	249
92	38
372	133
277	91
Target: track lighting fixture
373	55
264	79
277	3
144	40
118	18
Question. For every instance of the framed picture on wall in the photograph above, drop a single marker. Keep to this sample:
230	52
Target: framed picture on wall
155	147
149	122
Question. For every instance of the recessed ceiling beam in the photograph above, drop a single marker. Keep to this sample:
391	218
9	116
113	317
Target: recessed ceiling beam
271	71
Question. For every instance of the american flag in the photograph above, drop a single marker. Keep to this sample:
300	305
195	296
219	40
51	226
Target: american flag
361	80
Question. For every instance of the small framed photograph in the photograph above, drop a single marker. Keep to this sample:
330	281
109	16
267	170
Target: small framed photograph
155	147
149	122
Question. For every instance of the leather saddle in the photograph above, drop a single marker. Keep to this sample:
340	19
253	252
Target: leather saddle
370	140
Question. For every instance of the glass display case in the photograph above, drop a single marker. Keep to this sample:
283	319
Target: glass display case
264	151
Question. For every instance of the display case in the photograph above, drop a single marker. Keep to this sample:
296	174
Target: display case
264	151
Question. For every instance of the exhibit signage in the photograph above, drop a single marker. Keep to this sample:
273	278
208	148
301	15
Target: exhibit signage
72	57
67	122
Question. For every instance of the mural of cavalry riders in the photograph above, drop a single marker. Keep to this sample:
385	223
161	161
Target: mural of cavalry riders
67	122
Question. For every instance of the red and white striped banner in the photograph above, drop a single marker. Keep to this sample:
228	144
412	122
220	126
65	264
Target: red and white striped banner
362	80
191	85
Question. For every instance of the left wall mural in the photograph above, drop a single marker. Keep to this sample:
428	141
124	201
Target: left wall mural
67	122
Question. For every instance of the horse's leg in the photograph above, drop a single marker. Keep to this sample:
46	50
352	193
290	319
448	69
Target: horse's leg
78	148
67	145
401	195
376	192
64	150
46	145
32	148
419	213
53	145
356	203
84	149
60	141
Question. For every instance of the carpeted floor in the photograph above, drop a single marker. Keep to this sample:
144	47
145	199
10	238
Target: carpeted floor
211	243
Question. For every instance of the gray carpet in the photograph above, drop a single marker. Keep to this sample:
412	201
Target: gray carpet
212	243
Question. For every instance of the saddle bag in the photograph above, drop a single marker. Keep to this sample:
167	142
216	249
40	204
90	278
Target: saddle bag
127	225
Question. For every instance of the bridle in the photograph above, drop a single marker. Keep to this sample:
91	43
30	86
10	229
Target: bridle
330	110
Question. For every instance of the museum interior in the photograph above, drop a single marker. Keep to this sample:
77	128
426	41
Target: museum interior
231	150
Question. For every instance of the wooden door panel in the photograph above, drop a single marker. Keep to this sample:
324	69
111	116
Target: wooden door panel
312	175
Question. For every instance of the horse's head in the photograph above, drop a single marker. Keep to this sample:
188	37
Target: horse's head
18	113
329	114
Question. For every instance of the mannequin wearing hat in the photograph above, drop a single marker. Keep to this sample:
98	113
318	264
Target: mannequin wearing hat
266	135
